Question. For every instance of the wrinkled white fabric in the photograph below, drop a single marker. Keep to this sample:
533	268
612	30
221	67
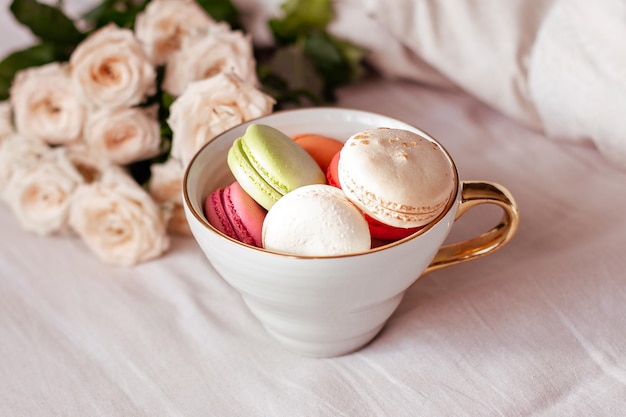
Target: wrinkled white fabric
534	329
577	77
555	65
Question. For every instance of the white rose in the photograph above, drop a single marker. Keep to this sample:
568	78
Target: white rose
124	135
90	165
163	25
177	221
166	184
210	107
118	220
46	106
39	195
110	69
216	50
18	152
6	120
166	181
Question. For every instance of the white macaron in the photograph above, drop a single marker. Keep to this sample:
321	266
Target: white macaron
396	176
315	220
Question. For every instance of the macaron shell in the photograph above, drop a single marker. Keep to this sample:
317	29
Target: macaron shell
321	148
332	176
385	232
216	215
378	230
396	176
315	220
233	212
249	178
246	215
268	164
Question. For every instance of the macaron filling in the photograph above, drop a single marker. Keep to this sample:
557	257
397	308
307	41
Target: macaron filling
268	164
233	212
241	230
379	208
249	176
396	176
216	215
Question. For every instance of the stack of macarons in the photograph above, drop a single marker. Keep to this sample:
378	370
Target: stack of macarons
317	196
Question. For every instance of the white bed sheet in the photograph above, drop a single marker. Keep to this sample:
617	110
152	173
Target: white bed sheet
534	329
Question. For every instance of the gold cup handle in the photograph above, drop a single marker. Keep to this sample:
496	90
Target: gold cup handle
474	193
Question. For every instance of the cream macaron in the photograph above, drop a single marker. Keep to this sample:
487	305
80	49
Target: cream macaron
396	176
315	220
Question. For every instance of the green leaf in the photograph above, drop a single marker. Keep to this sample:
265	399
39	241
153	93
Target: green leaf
140	171
352	56
222	11
290	77
92	16
36	55
303	25
120	19
301	17
291	64
46	22
167	100
122	13
338	61
278	88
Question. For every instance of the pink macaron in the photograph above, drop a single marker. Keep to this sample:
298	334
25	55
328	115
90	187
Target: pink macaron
233	212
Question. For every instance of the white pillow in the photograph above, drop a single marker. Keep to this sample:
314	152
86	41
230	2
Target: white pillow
558	66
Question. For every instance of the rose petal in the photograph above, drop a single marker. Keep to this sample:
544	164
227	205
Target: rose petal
118	220
210	107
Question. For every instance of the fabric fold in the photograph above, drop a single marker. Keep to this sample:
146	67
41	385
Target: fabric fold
556	66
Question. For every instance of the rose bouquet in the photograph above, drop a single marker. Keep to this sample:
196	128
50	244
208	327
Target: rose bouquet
96	132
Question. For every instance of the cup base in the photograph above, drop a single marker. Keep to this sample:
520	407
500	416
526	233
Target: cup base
328	349
321	334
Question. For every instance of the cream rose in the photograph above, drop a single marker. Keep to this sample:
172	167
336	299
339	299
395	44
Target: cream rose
6	120
39	195
88	163
18	152
110	69
46	106
217	50
177	222
165	187
124	135
166	181
118	220
210	107
163	25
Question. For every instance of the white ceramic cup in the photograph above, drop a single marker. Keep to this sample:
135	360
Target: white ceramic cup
330	306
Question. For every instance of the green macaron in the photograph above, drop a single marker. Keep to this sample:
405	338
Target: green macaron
268	164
